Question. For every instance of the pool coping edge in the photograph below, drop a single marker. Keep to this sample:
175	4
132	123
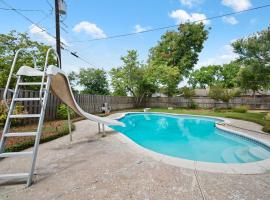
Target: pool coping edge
257	167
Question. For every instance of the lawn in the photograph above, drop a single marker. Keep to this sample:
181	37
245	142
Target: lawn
257	117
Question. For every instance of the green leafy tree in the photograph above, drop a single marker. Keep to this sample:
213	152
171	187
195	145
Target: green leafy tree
220	93
225	76
13	41
73	80
254	56
93	81
205	76
131	78
187	92
165	78
180	48
229	74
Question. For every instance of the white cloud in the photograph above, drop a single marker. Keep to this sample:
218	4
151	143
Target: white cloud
230	20
138	28
237	5
226	56
190	3
43	35
89	28
181	16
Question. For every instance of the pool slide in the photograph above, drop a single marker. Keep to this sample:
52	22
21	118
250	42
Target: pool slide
60	87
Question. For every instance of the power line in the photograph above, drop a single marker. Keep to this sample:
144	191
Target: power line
22	10
26	18
32	22
170	26
77	56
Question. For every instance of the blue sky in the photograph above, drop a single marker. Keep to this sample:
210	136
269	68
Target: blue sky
87	20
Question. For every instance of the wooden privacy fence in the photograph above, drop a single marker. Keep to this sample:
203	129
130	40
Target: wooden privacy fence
93	103
262	102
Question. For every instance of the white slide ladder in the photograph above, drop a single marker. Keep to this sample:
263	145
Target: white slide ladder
55	80
43	97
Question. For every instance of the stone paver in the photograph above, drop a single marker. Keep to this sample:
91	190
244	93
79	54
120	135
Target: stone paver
93	167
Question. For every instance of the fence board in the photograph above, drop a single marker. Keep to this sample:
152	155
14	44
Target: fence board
92	103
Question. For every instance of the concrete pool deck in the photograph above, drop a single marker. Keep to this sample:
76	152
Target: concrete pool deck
95	167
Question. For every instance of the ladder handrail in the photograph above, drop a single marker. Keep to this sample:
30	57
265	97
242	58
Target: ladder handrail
11	73
45	68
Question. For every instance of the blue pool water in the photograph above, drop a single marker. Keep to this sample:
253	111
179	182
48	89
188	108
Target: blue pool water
189	137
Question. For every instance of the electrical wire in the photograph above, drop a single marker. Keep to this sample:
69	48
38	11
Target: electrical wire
73	53
34	23
26	18
22	10
170	26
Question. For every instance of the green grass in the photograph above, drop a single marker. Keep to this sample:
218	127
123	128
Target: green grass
258	117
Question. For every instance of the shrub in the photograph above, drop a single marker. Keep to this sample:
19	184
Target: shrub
266	127
187	92
19	109
221	94
193	105
267	117
220	110
62	112
240	109
3	113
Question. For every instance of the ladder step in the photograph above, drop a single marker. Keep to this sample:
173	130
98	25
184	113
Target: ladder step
25	116
16	154
27	99
13	176
20	134
31	83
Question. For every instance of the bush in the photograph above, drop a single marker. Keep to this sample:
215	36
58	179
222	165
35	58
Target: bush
240	109
267	117
62	112
187	92
193	105
222	94
266	127
220	110
19	109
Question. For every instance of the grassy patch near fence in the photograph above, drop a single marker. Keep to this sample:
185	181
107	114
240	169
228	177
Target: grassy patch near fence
257	117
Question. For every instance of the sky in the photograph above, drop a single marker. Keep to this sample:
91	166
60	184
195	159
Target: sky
87	20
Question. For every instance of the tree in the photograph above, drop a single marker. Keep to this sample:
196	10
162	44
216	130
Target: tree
164	77
254	56
220	93
229	74
225	76
254	77
13	41
131	78
205	76
73	77
180	48
187	92
93	81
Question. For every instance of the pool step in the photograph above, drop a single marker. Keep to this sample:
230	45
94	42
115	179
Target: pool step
228	155
244	155
259	153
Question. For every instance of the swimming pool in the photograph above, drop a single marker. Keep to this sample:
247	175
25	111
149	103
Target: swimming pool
190	137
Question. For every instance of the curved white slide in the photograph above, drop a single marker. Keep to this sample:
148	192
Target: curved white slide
60	87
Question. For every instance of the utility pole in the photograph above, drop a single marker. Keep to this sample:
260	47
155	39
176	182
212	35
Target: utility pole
57	25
